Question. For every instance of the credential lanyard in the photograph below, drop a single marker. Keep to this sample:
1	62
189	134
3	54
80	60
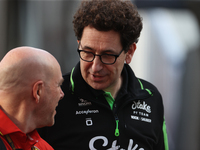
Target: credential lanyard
10	142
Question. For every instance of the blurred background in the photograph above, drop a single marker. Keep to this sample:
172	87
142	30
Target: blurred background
168	52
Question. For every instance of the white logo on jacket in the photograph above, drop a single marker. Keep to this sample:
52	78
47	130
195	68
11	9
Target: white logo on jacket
131	145
84	102
143	106
82	112
139	111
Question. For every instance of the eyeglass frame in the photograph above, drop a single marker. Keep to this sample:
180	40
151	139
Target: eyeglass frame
94	55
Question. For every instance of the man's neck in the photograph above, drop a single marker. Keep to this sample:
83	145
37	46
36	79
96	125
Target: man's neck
20	117
115	88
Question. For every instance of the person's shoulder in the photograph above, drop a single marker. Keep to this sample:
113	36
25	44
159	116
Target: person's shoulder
42	145
148	85
67	75
65	85
66	78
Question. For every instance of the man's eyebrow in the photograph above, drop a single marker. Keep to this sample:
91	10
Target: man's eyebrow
104	51
86	47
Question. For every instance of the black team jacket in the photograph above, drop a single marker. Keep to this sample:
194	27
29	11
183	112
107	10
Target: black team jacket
86	119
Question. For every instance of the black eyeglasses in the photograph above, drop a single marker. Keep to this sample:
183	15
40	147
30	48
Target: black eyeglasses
107	59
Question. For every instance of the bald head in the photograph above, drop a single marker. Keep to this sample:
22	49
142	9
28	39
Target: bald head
30	80
23	66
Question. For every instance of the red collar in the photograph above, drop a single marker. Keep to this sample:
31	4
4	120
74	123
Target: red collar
19	138
6	122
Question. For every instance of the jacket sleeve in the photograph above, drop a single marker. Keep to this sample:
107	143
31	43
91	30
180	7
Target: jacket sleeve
163	140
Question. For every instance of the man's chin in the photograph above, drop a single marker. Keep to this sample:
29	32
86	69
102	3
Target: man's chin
51	123
98	87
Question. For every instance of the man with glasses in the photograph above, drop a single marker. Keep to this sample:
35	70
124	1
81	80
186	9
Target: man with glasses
105	105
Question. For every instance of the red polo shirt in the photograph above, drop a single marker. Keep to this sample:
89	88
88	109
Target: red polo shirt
20	139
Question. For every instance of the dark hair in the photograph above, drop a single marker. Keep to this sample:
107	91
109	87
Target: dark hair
104	15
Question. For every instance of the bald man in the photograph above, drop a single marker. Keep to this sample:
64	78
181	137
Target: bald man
30	81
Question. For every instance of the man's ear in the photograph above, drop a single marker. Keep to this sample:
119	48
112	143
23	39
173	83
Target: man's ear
37	90
130	53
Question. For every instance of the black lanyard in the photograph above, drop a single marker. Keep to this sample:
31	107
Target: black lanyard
10	142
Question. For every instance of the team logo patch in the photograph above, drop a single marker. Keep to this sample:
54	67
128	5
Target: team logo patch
141	111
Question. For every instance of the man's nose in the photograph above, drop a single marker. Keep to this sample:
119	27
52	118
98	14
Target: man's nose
97	64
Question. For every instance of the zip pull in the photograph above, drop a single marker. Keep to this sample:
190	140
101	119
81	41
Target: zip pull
117	127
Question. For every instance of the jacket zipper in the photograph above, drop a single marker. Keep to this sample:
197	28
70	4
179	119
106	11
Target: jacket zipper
117	119
117	126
